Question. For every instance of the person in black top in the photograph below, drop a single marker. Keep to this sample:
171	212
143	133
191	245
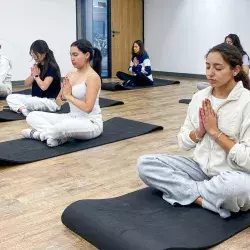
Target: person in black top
45	80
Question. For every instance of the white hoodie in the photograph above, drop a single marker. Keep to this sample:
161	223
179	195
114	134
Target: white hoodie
5	71
233	120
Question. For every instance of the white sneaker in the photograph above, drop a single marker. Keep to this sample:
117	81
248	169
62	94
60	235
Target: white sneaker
31	134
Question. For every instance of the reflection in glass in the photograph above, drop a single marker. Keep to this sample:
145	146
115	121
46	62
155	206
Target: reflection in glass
93	25
100	34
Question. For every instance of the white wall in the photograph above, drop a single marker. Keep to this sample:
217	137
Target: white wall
178	33
24	21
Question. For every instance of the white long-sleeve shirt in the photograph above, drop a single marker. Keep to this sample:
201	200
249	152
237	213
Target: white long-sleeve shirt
233	116
5	70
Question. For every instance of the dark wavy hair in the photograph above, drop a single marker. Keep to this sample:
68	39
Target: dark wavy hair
41	47
236	42
232	56
95	54
141	46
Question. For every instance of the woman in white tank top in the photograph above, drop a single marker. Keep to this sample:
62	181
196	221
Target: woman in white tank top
81	89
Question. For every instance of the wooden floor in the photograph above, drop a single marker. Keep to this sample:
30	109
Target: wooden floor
33	196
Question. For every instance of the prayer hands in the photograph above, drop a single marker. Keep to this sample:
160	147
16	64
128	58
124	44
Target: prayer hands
135	61
209	118
35	70
66	88
201	131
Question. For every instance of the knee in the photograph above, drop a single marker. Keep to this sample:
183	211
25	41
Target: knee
32	116
237	186
9	98
144	166
118	74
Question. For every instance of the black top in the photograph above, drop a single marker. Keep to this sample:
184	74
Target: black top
54	88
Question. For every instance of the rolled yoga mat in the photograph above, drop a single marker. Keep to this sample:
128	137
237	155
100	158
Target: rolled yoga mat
186	101
117	86
142	220
28	150
7	115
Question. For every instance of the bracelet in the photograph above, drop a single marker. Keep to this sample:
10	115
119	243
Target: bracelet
217	137
196	136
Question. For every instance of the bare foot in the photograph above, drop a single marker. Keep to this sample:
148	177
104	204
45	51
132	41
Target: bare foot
20	109
198	201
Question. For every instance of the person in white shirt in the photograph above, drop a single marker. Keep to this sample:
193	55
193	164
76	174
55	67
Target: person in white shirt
81	89
217	127
5	76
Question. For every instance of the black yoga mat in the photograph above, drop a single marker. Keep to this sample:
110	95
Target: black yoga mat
7	115
186	101
115	129
117	86
142	220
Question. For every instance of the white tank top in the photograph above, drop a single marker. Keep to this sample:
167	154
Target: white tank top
79	92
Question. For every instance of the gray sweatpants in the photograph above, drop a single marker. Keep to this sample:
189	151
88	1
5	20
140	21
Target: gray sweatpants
182	181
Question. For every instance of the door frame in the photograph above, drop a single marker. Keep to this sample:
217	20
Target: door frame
80	34
109	40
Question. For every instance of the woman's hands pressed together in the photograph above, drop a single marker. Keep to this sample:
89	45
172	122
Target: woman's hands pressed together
209	119
35	71
66	88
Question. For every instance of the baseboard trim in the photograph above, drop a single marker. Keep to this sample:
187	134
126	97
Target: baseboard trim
183	75
17	83
159	73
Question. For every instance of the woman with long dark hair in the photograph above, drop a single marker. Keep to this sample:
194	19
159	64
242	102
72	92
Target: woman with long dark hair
140	67
217	127
233	39
44	79
81	89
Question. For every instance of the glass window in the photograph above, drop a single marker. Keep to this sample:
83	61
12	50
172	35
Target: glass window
92	20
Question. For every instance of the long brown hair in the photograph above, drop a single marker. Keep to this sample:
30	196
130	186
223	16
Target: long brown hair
141	46
41	47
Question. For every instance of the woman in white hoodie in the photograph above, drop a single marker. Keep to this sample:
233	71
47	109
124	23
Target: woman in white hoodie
217	127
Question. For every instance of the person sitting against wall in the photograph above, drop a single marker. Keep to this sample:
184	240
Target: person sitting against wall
232	39
5	75
45	80
140	67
